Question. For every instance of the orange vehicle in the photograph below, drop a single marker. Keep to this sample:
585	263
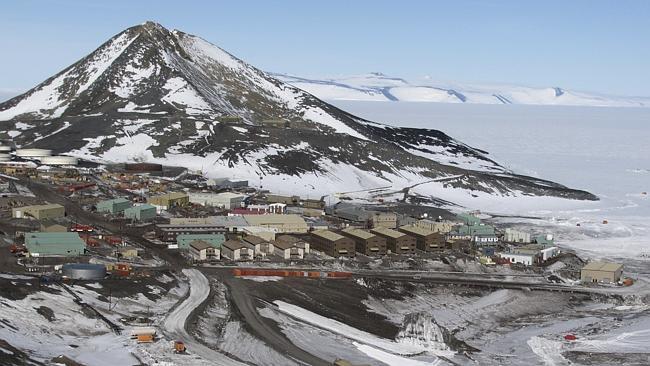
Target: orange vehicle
179	347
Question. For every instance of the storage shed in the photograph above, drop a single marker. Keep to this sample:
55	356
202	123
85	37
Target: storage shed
605	272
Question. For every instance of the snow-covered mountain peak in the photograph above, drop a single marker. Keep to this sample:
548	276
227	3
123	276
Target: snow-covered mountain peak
167	96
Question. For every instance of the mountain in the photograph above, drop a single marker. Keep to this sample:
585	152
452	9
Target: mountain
150	94
379	87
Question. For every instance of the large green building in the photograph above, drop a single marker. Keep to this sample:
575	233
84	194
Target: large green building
41	244
145	212
114	206
468	219
184	240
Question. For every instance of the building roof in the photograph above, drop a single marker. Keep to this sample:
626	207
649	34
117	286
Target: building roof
387	232
170	195
287	239
234	244
39	207
358	233
285	244
254	240
328	235
416	230
228	221
54	243
602	266
274	219
141	207
114	201
200	245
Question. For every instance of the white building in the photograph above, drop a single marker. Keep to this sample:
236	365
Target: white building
516	236
237	251
549	253
289	250
261	247
227	200
203	251
526	259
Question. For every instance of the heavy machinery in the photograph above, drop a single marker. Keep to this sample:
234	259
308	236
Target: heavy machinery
179	347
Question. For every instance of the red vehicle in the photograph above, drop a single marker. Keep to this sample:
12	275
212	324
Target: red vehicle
79	228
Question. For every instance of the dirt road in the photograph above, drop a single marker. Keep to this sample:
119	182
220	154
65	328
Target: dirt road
174	324
272	336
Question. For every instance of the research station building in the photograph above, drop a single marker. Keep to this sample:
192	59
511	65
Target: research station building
605	272
39	212
396	242
365	242
425	239
333	244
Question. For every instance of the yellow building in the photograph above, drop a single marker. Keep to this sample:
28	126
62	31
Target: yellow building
282	223
39	212
169	200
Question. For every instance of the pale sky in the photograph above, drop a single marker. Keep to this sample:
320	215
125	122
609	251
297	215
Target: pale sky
588	45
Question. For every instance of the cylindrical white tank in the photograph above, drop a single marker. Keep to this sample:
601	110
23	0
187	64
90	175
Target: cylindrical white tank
5	157
59	160
33	153
5	148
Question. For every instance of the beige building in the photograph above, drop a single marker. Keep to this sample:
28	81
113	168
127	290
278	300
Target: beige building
202	251
435	226
169	200
333	244
384	219
288	250
292	240
283	223
396	242
236	250
605	272
262	247
365	242
425	239
39	212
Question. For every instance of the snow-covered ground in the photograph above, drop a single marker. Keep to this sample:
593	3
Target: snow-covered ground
378	87
605	151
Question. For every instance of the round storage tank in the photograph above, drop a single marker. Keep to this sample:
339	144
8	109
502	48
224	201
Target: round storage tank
59	160
33	153
5	157
84	271
5	148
